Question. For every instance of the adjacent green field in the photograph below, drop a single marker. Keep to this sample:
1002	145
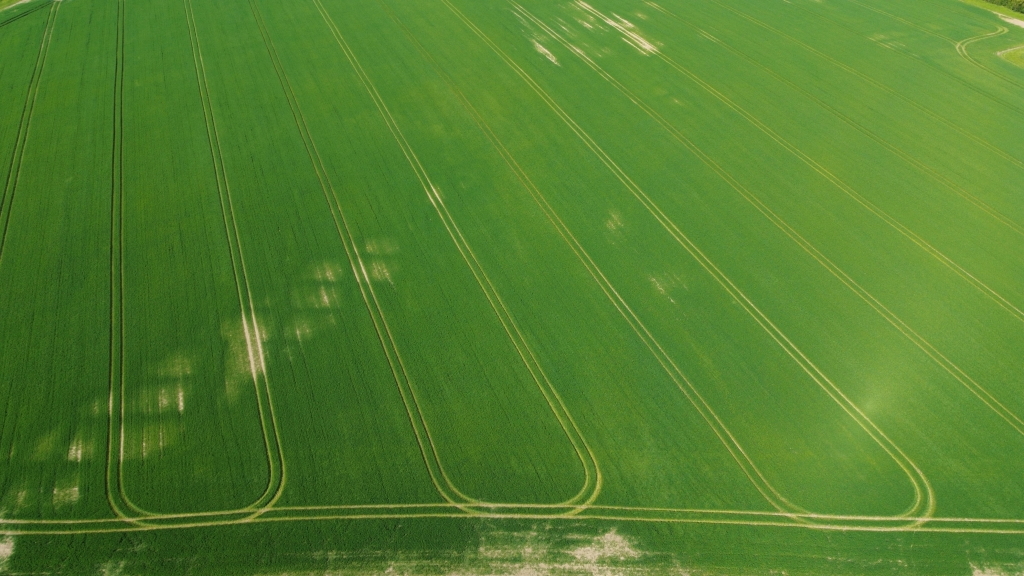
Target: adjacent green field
523	287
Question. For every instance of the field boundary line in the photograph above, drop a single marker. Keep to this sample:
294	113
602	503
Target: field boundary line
749	518
459	506
896	150
924	496
592	473
877	84
275	459
923	244
921	342
24	125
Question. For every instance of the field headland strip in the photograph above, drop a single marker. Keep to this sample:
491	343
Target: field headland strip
950	525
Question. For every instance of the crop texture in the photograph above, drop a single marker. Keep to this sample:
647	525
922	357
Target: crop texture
511	286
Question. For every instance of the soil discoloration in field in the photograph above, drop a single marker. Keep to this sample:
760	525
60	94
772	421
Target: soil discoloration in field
540	551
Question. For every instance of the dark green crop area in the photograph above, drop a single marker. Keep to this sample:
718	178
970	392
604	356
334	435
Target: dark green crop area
511	287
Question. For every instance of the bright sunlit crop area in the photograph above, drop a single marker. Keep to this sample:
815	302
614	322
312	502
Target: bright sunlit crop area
511	287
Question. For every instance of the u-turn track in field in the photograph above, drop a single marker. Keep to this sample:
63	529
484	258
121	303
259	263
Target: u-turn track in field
675	267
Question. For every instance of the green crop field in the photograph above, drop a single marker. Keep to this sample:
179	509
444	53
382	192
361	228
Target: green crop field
511	287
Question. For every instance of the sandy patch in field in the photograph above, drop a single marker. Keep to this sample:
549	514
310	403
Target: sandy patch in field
614	221
328	272
320	297
65	495
244	358
997	570
6	551
175	366
76	450
630	34
112	568
1013	21
381	247
536	552
610	546
380	272
21	500
666	284
544	52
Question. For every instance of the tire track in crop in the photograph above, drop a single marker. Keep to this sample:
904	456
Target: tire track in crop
25	13
921	342
1008	105
677	376
254	339
118	498
940	69
924	500
960	46
837	182
114	479
24	124
895	150
122	528
18	151
921	108
428	450
746	518
593	478
902	20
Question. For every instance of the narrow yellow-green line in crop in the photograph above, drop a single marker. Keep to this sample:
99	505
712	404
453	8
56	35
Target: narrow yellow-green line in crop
942	360
879	85
924	500
592	482
18	155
